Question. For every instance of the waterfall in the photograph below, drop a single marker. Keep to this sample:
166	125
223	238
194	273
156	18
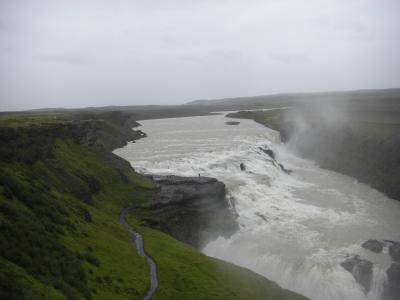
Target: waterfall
295	229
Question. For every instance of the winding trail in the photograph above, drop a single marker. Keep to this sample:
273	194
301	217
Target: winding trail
138	241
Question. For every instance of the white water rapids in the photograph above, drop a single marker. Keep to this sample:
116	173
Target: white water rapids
294	229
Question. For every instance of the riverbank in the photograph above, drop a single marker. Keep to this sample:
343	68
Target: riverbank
297	224
360	142
61	193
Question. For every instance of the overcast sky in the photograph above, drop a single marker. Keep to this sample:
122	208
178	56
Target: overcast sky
95	53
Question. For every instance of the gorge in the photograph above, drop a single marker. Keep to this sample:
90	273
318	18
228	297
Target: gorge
297	228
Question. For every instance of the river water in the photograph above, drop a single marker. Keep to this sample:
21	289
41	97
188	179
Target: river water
295	228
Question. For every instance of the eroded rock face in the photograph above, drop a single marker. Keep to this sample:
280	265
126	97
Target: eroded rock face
268	151
271	154
392	288
373	245
192	209
287	171
394	251
361	270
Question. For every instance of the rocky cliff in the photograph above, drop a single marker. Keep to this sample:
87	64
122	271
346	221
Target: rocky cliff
361	142
29	142
362	269
191	209
355	152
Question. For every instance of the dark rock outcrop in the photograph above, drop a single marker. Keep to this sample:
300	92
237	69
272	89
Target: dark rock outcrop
373	245
394	251
268	151
232	123
377	247
141	133
271	154
392	288
192	209
242	167
33	143
351	151
361	270
287	171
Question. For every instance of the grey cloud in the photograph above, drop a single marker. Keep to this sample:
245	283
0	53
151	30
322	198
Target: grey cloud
7	50
62	58
215	57
290	58
99	52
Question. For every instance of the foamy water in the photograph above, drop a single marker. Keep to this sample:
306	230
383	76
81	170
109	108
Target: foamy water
294	229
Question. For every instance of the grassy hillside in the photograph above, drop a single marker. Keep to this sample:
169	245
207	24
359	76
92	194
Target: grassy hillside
387	97
274	119
185	273
59	224
61	192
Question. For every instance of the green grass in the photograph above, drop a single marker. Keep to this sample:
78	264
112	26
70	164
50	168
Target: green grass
122	274
15	281
274	119
25	119
41	209
185	273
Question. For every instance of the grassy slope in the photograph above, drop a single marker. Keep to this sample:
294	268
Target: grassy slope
121	274
185	273
274	119
51	249
103	247
29	286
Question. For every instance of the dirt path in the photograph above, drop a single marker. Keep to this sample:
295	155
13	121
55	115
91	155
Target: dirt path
138	241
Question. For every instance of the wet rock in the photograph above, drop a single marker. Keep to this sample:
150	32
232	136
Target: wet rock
361	270
242	167
373	245
258	214
268	151
191	209
394	250
141	133
392	287
232	123
287	171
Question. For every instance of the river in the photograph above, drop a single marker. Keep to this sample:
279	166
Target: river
295	228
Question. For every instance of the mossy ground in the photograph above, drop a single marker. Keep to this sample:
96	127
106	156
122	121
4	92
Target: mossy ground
41	202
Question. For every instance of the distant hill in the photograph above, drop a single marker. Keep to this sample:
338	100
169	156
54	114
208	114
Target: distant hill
390	98
287	99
